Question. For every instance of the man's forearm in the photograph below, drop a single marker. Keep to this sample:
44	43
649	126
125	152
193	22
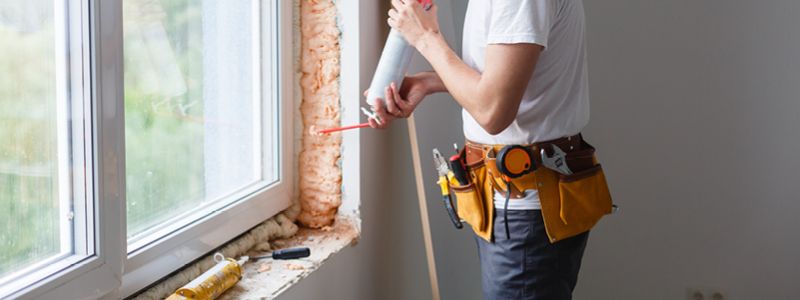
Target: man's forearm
433	84
451	74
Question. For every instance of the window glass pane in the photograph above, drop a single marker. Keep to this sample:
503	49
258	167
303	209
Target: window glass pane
32	149
194	115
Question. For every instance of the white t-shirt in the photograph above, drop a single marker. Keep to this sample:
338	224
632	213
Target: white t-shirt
556	101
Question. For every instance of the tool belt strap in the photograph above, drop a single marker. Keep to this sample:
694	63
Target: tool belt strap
478	154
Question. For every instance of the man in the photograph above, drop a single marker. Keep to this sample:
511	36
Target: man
522	80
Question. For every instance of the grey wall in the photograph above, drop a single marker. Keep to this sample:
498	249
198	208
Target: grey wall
438	121
694	112
694	108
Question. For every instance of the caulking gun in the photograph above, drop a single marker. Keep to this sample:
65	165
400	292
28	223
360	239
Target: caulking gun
392	67
394	62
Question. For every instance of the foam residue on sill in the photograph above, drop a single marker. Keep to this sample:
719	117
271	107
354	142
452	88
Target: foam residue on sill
266	279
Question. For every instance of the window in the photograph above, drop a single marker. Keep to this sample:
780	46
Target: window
44	204
29	169
199	126
191	153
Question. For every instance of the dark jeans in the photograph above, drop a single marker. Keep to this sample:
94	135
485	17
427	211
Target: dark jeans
528	266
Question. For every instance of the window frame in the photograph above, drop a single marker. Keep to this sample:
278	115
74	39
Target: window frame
101	267
109	271
156	260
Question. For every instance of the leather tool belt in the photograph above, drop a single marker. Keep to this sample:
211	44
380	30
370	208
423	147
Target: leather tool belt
571	203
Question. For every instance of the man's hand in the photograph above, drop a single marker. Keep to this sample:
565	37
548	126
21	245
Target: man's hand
411	19
400	103
380	110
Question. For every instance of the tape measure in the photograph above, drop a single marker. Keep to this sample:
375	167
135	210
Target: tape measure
514	161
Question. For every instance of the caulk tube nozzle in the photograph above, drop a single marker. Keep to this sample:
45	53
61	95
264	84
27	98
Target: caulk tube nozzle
392	66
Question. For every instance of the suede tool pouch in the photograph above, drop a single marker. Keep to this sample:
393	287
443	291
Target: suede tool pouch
474	200
469	204
584	195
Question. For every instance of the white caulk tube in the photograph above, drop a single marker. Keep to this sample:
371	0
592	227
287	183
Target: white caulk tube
394	62
392	66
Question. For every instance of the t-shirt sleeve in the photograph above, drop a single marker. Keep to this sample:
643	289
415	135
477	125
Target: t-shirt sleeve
520	21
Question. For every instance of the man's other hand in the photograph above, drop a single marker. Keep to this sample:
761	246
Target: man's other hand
400	103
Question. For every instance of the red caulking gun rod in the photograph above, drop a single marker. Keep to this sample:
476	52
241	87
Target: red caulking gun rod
331	130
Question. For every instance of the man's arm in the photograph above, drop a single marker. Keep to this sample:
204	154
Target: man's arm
492	98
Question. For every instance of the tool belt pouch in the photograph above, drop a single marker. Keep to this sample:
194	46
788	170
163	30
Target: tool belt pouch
471	199
584	196
469	204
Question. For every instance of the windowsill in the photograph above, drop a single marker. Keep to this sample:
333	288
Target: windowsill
266	279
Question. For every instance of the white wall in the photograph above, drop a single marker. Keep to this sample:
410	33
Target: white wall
694	108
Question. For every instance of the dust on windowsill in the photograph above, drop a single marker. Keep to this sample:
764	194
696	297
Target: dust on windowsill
268	278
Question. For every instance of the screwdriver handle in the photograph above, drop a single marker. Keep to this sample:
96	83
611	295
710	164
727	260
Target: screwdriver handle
291	253
458	170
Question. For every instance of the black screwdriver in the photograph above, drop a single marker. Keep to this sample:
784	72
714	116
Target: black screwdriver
290	253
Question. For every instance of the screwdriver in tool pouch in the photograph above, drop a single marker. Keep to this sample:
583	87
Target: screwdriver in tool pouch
457	166
290	253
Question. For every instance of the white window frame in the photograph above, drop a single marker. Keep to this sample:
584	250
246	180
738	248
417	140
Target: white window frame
96	268
157	260
109	271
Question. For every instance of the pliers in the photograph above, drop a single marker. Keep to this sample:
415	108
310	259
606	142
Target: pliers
445	177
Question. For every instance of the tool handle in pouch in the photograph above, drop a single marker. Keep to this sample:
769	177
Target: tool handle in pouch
443	185
448	202
459	171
